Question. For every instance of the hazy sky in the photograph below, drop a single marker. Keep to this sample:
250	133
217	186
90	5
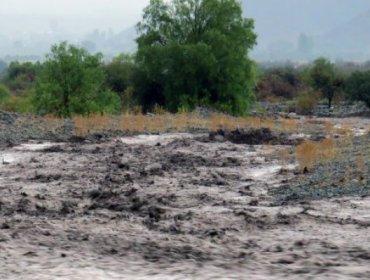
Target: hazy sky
81	16
278	22
69	15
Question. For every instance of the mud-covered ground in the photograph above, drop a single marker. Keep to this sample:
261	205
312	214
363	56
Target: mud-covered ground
177	206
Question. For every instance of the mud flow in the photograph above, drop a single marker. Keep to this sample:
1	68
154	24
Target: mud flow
172	206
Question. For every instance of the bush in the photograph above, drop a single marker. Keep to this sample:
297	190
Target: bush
279	84
72	82
20	104
107	102
21	77
358	87
4	94
306	102
291	106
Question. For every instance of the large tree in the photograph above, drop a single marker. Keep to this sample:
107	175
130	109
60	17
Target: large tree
195	52
326	79
72	82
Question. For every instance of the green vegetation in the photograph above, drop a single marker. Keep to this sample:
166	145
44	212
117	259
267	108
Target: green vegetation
119	73
302	87
190	53
306	102
21	77
358	87
72	82
326	79
280	83
19	81
21	104
195	52
4	94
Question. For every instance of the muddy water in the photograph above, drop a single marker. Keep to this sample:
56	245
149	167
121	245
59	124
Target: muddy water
169	207
155	139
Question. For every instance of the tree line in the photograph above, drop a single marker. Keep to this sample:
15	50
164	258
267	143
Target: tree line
190	53
319	81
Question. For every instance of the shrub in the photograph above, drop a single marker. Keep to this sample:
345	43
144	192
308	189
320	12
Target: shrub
21	77
4	94
307	154
306	102
72	82
20	104
358	87
279	84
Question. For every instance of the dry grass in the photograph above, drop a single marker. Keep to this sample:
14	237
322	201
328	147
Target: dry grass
345	130
327	150
54	123
290	125
360	163
163	121
284	156
310	153
180	122
329	127
86	125
307	154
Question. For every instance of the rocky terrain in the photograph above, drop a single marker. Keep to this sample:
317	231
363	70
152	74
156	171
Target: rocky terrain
223	205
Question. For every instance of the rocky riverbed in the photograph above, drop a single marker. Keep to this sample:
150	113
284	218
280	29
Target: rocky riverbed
181	206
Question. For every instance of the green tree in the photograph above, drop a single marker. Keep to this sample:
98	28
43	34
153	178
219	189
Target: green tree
358	87
72	82
120	73
195	52
326	79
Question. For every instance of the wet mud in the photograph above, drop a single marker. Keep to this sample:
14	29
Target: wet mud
172	206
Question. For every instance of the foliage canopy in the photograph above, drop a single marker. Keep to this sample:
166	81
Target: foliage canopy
358	87
195	52
119	73
72	83
326	79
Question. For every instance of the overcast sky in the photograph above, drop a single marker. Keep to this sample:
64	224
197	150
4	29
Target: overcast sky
81	16
24	23
70	15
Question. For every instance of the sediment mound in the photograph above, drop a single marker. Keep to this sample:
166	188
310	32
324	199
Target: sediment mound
252	137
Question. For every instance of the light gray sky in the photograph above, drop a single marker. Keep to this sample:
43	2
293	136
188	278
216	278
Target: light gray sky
31	26
78	16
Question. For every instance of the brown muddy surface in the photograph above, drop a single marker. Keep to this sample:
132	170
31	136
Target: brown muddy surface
170	206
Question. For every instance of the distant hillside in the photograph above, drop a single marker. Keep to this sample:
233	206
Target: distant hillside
284	18
298	30
352	36
336	26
